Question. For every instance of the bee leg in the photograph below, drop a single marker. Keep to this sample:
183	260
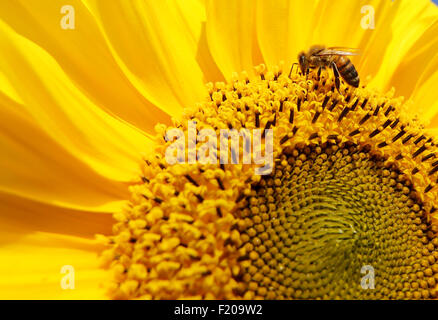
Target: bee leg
291	68
307	78
336	72
319	73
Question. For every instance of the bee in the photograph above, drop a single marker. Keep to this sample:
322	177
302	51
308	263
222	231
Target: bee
334	57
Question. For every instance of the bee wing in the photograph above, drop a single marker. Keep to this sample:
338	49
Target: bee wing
340	51
344	49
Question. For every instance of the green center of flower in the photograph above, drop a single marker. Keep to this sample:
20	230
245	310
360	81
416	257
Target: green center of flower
334	222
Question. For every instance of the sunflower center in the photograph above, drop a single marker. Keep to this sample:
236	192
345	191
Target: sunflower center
347	211
330	216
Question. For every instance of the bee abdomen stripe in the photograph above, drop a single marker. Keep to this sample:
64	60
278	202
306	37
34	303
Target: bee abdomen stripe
345	64
351	71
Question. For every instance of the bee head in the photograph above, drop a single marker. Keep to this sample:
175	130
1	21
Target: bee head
302	60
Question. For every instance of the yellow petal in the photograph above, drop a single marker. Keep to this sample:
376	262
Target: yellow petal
192	13
155	48
53	103
28	215
31	265
83	55
231	35
283	29
416	75
403	30
35	166
425	98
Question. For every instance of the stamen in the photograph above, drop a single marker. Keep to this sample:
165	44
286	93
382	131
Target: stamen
405	140
316	116
419	151
395	123
335	102
343	113
430	155
353	107
220	183
324	103
376	112
398	136
188	177
364	119
388	111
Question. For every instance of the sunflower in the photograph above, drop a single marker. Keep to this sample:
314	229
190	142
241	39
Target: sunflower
85	185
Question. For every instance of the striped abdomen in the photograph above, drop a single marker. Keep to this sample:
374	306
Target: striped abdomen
347	70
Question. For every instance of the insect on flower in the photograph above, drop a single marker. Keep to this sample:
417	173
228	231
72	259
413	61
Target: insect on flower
334	57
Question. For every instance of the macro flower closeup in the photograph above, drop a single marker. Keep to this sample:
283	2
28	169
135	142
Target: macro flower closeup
92	208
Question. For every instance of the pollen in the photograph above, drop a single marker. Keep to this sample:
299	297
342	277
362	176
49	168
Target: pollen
347	211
